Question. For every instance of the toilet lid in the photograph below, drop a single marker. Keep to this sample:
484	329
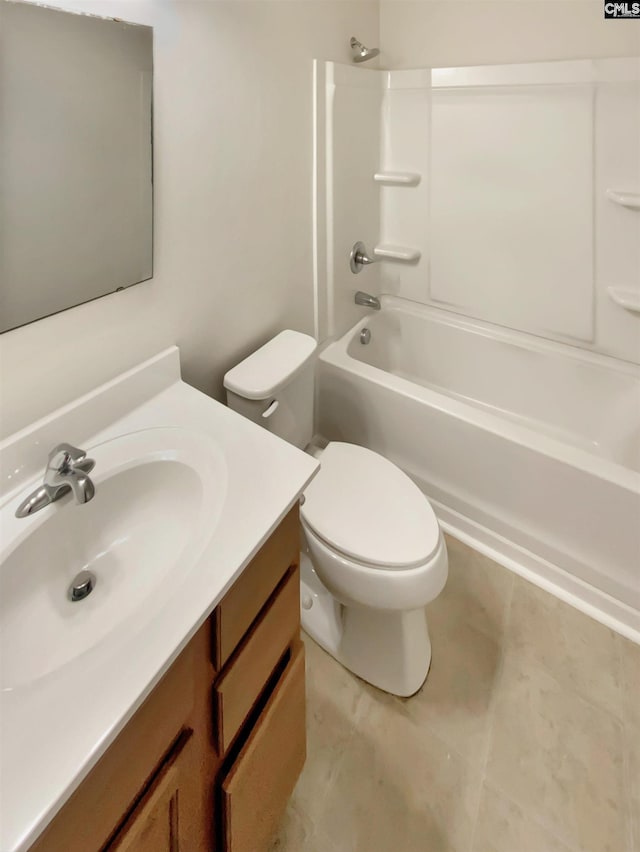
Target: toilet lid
364	506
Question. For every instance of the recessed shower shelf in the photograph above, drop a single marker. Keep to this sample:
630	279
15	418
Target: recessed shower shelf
624	199
626	297
397	178
401	253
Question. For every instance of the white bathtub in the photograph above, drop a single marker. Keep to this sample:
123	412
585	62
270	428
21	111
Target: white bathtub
528	449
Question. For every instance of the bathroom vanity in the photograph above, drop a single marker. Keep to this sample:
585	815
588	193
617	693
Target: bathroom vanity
211	757
165	711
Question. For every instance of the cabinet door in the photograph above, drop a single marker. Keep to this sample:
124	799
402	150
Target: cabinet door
123	771
158	823
258	786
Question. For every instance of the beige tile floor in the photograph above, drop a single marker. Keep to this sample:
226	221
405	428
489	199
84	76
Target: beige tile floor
525	737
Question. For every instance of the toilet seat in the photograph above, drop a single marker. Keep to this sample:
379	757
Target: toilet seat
355	584
364	507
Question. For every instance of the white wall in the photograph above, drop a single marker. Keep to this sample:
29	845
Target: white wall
441	33
233	206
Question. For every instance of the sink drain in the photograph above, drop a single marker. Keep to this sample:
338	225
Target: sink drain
82	586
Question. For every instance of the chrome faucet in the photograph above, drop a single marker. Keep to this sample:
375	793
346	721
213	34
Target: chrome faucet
367	300
67	470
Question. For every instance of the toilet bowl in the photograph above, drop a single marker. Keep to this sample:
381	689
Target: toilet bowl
360	584
374	554
373	619
375	544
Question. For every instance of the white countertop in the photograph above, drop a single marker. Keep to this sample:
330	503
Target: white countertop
54	730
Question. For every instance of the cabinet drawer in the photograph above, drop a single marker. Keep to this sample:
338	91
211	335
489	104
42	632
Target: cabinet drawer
258	786
239	687
252	589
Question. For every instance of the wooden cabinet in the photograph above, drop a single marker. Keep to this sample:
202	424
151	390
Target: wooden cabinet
237	689
247	596
210	759
158	822
257	787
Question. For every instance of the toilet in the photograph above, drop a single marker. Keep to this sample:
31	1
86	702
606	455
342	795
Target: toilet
373	553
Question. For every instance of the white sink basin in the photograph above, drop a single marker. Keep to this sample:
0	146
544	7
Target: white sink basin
159	497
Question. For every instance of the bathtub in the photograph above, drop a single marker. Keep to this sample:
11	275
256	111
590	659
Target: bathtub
528	450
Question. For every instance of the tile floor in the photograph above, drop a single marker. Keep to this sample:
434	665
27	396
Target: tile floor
525	737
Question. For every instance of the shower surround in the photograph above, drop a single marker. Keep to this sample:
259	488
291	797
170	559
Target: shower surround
502	372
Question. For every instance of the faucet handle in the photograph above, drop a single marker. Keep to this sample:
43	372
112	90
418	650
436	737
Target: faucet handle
67	463
65	456
359	257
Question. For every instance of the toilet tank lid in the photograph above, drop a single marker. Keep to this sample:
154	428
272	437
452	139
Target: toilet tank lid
271	366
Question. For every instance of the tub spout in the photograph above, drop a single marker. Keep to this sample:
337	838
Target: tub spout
367	301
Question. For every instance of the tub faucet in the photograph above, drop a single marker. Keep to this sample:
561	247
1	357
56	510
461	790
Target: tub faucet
67	470
367	300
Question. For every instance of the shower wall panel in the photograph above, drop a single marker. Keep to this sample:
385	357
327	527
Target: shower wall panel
404	209
512	201
617	167
514	216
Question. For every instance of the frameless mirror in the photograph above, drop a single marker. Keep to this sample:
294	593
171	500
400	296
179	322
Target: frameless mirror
76	204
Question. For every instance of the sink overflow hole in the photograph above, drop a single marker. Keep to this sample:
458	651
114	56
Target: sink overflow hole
82	586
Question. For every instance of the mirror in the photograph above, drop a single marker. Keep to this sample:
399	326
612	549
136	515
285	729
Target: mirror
76	202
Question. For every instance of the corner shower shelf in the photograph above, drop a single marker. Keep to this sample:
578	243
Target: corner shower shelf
397	178
401	253
624	199
626	297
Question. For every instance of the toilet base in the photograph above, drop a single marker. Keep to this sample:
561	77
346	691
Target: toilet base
389	649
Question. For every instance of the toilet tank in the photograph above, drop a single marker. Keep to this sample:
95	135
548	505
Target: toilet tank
275	387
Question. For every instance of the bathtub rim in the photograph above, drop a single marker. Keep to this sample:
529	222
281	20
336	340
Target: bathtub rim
521	339
335	352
